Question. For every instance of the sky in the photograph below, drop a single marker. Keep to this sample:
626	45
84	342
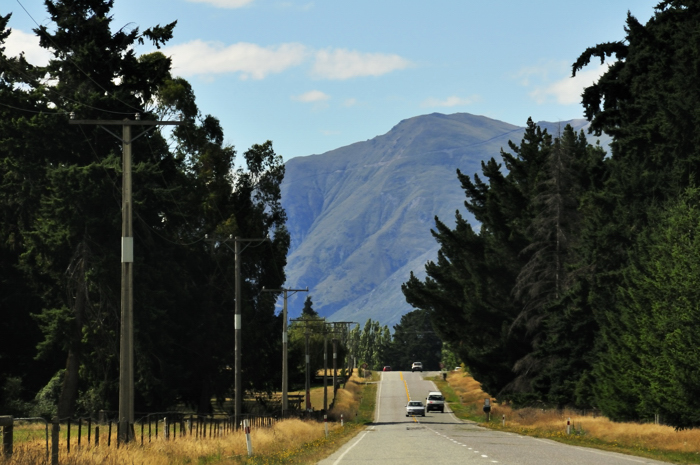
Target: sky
313	76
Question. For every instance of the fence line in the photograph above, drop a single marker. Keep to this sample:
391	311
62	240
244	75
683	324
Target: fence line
86	432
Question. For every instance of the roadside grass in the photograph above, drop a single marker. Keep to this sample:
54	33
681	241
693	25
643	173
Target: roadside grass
466	399
287	442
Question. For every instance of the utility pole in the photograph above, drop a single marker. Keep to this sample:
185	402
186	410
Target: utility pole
338	327
285	366
237	325
325	369
307	334
308	363
126	343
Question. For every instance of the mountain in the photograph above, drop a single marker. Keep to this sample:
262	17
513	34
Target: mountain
360	216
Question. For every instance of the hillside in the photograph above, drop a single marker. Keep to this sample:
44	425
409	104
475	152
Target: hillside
360	216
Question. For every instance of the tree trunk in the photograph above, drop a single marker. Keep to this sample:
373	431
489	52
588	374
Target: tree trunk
69	388
76	283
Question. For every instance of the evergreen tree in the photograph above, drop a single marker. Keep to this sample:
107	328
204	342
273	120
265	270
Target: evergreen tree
415	341
312	326
20	375
647	100
659	320
561	329
497	295
308	310
468	292
60	197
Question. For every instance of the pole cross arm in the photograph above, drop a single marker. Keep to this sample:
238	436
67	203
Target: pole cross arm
125	122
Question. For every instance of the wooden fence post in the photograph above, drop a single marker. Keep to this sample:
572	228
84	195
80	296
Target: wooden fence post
7	423
55	427
68	437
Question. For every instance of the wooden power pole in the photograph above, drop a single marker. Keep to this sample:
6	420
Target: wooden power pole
126	343
285	347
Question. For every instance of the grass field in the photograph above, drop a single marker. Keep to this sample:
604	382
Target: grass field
287	442
659	442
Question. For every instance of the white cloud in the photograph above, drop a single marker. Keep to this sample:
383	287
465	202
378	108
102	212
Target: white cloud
351	102
253	61
345	64
313	96
20	41
224	3
452	101
565	90
250	60
542	72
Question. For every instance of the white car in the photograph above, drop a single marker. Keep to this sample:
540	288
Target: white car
435	401
415	407
417	366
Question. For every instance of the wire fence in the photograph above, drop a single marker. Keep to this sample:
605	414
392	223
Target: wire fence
68	434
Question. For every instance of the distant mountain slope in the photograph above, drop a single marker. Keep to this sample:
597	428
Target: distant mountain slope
360	216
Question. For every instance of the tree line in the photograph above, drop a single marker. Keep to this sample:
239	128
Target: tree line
60	224
578	284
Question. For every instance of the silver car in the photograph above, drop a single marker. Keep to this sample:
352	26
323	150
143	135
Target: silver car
415	407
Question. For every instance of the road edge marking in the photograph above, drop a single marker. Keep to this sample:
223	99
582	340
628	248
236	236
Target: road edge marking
337	461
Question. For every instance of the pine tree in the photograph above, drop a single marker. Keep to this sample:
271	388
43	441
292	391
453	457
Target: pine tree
660	321
469	291
549	282
648	101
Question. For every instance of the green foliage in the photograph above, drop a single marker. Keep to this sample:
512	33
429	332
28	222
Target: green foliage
308	310
649	103
61	217
313	328
580	286
11	398
414	340
449	358
370	344
46	400
496	295
659	319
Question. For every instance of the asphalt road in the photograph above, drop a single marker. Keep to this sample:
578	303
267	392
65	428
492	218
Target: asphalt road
441	438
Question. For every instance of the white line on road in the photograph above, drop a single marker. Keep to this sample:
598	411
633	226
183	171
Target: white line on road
379	398
350	448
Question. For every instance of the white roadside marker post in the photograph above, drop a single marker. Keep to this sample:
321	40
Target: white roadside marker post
246	427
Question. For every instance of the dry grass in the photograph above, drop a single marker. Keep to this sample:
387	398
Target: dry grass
287	435
468	390
629	437
288	441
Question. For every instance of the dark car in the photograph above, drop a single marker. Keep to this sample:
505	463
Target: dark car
387	368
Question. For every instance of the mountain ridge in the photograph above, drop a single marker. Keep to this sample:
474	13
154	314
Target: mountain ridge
360	216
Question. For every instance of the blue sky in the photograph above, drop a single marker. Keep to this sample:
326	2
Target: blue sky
313	76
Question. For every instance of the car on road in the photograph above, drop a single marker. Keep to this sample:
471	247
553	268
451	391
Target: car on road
417	366
387	368
435	401
415	407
